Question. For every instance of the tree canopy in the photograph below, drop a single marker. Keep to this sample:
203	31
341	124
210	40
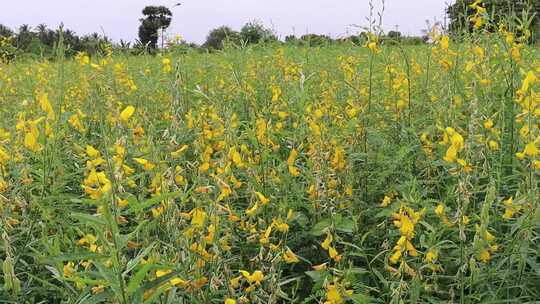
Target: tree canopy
254	32
217	37
156	18
41	40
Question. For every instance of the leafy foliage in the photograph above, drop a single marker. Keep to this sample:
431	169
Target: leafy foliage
370	173
156	18
217	38
460	12
254	32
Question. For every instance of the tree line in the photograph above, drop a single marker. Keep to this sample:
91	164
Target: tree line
41	40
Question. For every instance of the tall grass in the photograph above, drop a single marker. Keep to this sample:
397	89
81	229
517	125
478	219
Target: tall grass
376	174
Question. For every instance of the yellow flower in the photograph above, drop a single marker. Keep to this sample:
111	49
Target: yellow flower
204	167
46	105
235	156
262	198
261	130
178	153
432	255
69	269
157	211
257	277
488	124
510	209
439	210
319	267
406	226
30	142
290	257
386	201
3	185
147	165
484	255
493	145
198	217
92	152
128	170
175	281
372	46
98	289
290	163
4	156
530	79
88	239
451	154
395	257
333	253
276	93
333	296
280	226
445	42
230	301
126	114
251	211
122	203
327	242
225	192
97	184
455	138
531	150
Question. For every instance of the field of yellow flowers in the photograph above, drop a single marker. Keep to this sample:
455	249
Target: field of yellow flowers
376	174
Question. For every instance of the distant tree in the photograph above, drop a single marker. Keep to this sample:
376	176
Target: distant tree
254	32
93	43
7	49
394	35
124	44
72	41
291	39
316	40
217	37
355	39
5	31
45	35
156	18
27	41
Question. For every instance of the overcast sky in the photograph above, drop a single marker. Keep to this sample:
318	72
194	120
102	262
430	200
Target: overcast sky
119	19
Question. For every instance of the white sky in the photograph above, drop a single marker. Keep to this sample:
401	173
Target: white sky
119	19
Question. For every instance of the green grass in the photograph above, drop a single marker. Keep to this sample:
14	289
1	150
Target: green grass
366	126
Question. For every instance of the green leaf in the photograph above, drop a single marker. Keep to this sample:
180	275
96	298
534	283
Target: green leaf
108	276
78	257
99	298
346	225
135	208
360	299
317	276
89	219
134	262
137	297
139	277
321	227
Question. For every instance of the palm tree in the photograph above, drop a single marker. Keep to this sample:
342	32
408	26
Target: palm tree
24	36
5	31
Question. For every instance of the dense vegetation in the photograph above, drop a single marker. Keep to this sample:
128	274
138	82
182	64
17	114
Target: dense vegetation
525	15
379	173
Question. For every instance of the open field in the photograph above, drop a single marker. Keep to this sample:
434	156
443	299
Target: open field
345	174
